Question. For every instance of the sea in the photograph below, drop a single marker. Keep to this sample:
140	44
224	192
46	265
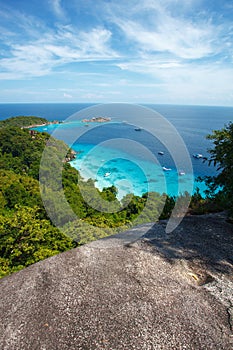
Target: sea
143	148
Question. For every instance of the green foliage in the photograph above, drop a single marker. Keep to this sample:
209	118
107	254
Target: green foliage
109	193
221	155
26	239
20	152
82	232
168	206
22	121
28	232
19	189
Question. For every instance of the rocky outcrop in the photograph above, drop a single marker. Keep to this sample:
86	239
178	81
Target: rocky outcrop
142	289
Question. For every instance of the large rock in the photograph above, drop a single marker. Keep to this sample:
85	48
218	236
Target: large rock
157	292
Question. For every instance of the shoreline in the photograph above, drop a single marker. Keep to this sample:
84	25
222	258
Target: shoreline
126	178
139	185
55	122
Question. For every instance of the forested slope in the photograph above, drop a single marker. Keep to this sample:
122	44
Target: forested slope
27	233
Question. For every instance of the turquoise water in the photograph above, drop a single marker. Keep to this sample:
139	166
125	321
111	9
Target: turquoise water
129	174
131	169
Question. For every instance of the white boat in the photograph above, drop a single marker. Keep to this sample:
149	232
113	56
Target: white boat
197	155
161	153
107	174
181	173
166	169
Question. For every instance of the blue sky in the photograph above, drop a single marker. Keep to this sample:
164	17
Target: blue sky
151	51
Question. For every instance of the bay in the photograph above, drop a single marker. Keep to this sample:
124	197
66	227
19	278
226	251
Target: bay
133	171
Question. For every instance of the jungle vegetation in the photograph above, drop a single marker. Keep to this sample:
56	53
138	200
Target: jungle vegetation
28	232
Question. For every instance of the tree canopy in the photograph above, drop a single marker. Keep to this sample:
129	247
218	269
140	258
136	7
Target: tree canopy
22	121
27	233
25	238
221	155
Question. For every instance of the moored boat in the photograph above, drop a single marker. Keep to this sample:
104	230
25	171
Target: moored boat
107	174
166	169
197	155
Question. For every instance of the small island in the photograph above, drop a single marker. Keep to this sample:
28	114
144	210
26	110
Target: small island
97	120
23	121
26	122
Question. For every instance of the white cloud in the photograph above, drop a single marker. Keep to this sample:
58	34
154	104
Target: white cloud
92	96
183	40
172	49
67	95
148	65
165	33
66	45
57	9
187	83
185	52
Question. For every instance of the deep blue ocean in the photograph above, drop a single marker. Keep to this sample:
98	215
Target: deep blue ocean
115	153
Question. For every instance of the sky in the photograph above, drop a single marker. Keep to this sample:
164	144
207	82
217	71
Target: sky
148	51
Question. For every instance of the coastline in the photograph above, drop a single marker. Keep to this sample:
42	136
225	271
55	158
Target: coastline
137	177
55	122
127	178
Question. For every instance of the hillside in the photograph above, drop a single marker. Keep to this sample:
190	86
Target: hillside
125	292
27	232
22	121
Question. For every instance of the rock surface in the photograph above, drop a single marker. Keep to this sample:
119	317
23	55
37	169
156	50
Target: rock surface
143	289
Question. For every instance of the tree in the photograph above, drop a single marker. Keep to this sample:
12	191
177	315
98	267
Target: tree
221	155
26	239
22	121
19	189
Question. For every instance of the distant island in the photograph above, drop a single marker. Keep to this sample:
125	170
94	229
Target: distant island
26	122
97	120
23	121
